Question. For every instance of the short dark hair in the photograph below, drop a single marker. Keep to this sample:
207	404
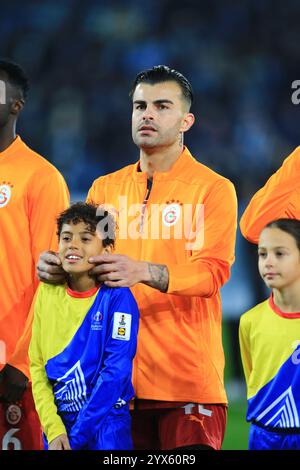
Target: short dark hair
291	226
91	215
163	73
16	76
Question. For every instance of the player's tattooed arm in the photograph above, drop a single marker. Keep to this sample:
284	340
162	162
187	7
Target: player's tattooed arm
123	271
158	277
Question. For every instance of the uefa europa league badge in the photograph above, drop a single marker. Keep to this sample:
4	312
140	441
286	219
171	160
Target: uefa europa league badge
13	414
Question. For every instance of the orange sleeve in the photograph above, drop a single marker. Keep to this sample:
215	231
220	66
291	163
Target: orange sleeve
48	196
279	198
208	268
95	194
20	358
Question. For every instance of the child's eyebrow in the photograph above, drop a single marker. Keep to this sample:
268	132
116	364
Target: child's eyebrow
273	248
90	232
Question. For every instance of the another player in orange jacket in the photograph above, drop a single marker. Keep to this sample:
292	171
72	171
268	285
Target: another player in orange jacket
177	223
279	198
32	194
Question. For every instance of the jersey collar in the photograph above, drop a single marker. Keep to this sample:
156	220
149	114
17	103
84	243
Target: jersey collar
82	295
176	170
279	312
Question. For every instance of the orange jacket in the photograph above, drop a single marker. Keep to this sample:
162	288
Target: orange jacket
32	193
279	198
180	355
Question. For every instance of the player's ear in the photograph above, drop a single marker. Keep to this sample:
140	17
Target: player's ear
17	105
187	122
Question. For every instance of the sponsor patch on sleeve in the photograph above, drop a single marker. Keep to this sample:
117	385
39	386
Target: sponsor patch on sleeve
122	326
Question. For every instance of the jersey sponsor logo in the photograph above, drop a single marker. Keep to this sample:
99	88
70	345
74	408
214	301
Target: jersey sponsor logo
122	326
70	389
5	193
13	414
97	321
282	412
171	214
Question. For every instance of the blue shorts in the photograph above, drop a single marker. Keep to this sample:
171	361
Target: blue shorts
263	439
113	434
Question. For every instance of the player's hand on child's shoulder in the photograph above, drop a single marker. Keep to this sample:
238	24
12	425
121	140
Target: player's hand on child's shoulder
49	268
61	442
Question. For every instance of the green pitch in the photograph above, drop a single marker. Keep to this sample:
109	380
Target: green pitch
236	436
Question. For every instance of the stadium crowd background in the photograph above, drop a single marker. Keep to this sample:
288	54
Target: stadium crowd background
240	56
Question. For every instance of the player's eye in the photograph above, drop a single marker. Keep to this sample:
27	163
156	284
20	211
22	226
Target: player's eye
140	106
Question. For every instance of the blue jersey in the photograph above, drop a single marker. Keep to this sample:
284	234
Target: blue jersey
270	349
90	371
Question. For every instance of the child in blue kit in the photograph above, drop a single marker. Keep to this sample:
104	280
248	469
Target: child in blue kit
270	342
84	338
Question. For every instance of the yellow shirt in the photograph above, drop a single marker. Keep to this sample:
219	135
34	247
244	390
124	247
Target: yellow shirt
51	332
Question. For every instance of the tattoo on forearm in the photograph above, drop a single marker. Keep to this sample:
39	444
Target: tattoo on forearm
159	275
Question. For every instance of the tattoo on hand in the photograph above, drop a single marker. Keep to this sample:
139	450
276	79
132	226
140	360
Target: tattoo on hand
159	275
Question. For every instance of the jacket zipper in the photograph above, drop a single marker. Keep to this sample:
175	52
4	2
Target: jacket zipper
145	201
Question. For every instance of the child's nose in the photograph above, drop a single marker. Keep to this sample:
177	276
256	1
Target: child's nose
74	242
269	260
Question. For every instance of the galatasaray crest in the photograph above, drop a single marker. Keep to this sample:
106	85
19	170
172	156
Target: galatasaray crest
5	193
171	214
13	414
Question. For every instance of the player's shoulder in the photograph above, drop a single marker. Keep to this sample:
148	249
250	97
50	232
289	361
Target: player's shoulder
50	290
120	295
296	151
196	172
116	177
36	163
121	292
292	159
254	313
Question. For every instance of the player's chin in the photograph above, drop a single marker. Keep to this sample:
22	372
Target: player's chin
145	142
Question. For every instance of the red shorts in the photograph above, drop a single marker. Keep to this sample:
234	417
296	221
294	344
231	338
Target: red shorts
20	427
187	425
